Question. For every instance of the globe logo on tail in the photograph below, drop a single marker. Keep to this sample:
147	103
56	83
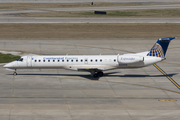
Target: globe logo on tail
156	51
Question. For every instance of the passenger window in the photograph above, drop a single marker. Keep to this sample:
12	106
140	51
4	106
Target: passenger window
96	60
53	60
39	60
91	60
67	60
58	60
86	60
100	60
114	60
35	60
48	60
71	60
81	60
62	60
76	60
44	60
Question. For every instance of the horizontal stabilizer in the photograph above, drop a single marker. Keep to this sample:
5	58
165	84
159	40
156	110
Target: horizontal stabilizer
168	38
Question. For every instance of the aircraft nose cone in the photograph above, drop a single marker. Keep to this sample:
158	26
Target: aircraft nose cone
7	65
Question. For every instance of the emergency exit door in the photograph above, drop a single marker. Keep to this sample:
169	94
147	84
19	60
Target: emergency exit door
29	61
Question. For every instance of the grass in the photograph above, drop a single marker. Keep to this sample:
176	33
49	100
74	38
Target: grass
160	13
90	30
5	58
125	13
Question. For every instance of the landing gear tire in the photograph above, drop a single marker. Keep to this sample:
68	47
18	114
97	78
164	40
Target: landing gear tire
100	74
95	75
14	73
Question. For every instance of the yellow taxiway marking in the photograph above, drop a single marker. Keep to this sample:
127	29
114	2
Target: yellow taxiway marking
174	82
168	100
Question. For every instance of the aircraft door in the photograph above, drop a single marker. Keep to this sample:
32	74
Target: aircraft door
29	61
86	60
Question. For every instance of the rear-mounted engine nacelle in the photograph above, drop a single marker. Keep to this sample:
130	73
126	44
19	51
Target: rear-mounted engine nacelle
125	59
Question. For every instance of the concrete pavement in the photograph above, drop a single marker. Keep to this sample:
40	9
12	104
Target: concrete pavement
84	1
128	94
86	20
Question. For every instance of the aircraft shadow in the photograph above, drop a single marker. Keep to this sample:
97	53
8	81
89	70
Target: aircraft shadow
135	75
88	76
110	74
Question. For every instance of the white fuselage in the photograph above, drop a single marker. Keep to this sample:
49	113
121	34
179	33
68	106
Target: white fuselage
84	62
95	64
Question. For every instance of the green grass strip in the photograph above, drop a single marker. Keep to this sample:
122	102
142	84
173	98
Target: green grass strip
5	58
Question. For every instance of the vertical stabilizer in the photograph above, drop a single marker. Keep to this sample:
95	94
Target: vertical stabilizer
160	47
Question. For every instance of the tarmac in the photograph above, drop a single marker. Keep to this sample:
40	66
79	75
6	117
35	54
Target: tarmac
86	20
114	8
9	15
122	94
86	1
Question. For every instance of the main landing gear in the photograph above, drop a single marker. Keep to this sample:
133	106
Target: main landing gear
97	74
15	73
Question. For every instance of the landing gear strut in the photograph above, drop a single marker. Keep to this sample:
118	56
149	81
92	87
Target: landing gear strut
15	73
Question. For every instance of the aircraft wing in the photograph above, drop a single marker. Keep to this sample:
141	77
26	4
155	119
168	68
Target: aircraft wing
95	68
89	69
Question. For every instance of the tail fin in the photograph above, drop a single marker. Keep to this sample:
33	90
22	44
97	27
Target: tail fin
160	47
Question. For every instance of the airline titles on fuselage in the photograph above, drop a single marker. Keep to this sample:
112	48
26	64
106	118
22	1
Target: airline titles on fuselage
59	58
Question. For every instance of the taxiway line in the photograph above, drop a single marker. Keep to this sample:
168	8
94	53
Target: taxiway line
174	82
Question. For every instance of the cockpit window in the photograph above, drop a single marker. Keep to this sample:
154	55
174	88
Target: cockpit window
20	59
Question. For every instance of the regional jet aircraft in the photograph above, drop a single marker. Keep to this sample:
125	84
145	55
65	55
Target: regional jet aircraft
95	64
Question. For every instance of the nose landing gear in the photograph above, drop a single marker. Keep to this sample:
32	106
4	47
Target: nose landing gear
15	73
